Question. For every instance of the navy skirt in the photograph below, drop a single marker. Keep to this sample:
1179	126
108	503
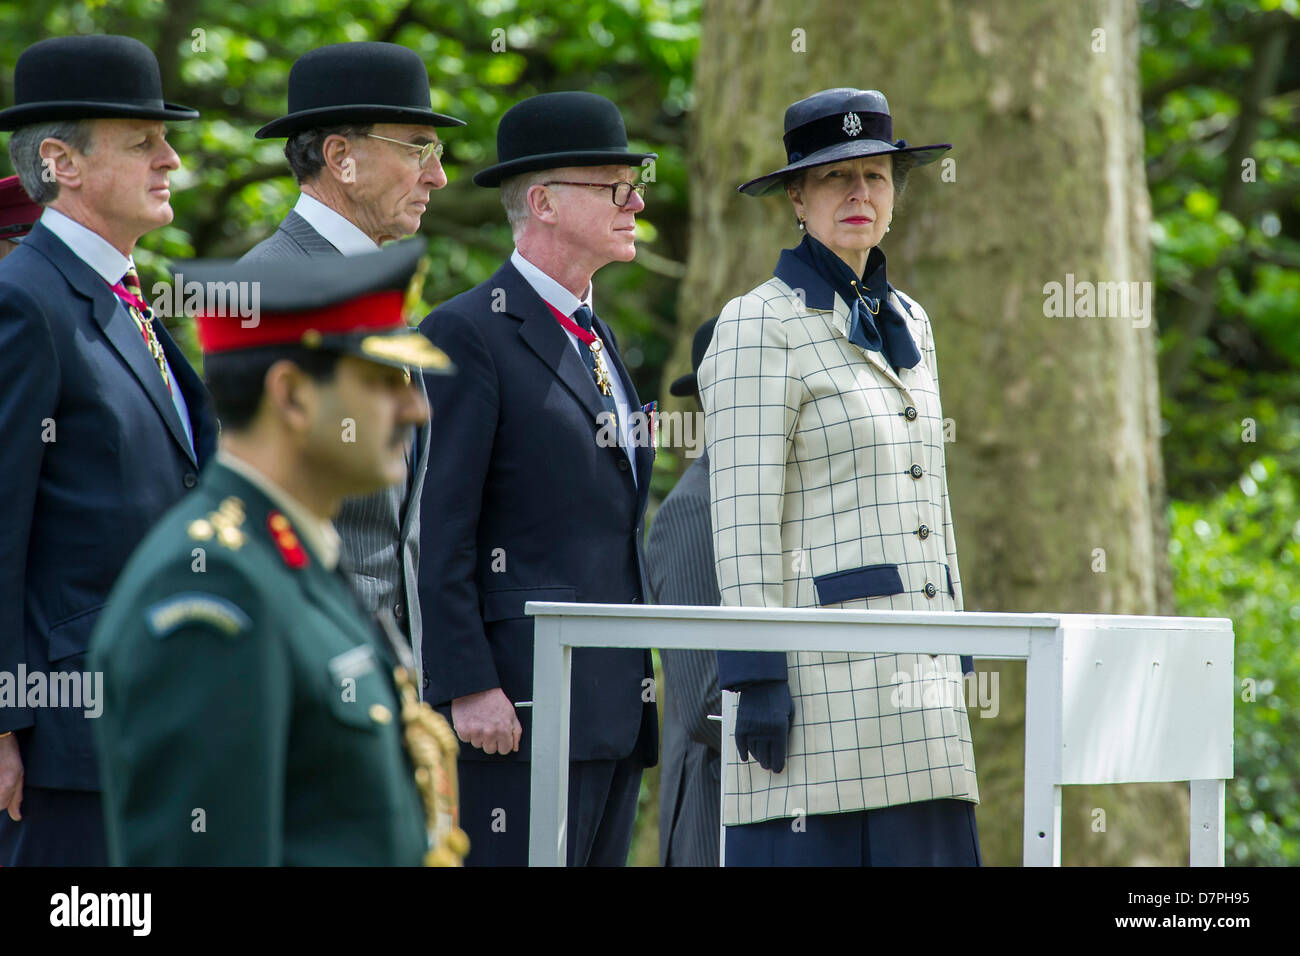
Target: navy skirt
930	833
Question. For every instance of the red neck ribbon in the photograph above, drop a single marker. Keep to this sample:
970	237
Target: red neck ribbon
568	323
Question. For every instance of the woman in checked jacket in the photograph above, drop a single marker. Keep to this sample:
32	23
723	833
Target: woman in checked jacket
829	489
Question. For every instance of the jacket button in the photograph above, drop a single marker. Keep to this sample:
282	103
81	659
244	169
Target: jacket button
399	612
426	680
190	479
923	532
623	464
930	589
915	471
910	413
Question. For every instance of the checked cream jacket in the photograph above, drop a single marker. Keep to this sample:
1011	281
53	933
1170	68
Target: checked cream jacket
828	489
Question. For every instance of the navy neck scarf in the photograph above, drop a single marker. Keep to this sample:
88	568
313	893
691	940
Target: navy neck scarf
873	322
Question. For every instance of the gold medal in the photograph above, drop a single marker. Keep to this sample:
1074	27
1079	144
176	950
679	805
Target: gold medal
603	381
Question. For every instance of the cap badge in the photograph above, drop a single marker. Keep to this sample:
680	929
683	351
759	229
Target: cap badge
852	124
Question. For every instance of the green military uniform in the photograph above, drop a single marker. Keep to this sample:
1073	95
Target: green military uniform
250	714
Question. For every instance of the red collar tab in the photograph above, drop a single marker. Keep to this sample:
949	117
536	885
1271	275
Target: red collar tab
286	541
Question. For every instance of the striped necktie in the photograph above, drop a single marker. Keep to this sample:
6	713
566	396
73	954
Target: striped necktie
129	291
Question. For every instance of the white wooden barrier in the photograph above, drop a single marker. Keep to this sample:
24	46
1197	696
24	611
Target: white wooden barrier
1109	698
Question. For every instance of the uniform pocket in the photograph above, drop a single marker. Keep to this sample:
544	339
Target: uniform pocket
874	580
358	695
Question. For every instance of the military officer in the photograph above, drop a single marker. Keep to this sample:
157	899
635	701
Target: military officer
252	711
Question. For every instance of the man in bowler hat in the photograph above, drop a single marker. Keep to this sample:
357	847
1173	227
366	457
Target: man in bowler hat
362	141
539	481
105	424
251	712
679	564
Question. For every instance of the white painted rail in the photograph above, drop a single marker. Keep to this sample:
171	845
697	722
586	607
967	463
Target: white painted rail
1109	698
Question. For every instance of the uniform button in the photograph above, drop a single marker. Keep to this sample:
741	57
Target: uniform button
910	413
923	532
399	612
380	714
915	471
930	589
426	680
190	479
623	464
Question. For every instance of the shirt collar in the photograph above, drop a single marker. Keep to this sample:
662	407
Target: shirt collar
87	245
550	290
341	232
321	538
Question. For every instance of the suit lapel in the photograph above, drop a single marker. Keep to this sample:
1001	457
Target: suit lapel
119	329
543	335
311	242
415	483
643	455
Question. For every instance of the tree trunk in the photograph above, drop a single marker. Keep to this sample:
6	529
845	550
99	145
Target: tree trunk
1054	462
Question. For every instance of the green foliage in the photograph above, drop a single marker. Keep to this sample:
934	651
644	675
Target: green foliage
1226	223
1239	557
231	61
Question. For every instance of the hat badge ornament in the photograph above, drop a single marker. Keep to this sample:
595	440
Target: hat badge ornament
852	124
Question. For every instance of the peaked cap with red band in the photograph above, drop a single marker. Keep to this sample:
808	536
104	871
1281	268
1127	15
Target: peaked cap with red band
17	211
352	305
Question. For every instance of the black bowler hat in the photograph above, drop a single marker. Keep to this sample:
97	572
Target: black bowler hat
362	83
836	125
351	305
559	129
88	77
687	384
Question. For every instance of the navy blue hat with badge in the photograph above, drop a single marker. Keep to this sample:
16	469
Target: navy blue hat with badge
88	77
353	306
835	125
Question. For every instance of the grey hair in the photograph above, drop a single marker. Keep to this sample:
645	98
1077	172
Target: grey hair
305	149
514	197
25	153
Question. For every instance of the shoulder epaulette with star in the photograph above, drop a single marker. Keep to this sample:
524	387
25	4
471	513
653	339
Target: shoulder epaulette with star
225	524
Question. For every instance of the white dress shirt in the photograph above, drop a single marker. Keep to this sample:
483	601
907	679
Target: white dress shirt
98	253
565	301
340	232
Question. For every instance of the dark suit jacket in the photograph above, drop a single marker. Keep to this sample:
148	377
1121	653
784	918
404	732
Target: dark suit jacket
522	504
380	531
679	560
93	453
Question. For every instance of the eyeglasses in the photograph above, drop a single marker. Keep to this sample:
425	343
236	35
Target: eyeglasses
427	150
620	192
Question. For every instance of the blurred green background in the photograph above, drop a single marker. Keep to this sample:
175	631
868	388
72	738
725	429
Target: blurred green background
1220	79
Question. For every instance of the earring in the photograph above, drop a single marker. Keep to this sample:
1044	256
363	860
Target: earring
801	224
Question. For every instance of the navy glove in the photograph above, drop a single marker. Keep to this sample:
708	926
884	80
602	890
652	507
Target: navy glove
763	721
